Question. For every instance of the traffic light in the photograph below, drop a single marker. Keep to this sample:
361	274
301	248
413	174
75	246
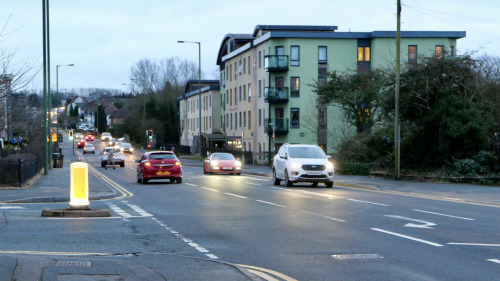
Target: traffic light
70	134
150	134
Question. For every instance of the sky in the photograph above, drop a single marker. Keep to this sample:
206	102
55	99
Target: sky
104	39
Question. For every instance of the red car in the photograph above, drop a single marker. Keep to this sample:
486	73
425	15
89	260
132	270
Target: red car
159	165
222	163
81	144
89	138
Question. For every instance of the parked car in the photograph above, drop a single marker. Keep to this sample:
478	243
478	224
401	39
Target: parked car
159	165
222	163
81	143
302	163
89	148
105	136
126	147
89	138
117	156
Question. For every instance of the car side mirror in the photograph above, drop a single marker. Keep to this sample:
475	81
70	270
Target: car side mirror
137	161
283	156
329	156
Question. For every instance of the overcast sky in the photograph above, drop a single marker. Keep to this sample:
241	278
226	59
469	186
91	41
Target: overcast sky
105	38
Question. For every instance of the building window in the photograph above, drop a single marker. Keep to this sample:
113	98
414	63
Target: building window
249	120
240	119
230	72
235	96
249	91
363	53
412	53
322	58
227	71
260	88
231	97
260	117
439	51
235	70
244	92
294	117
452	50
249	64
240	92
244	65
244	119
260	60
239	68
295	55
322	74
295	87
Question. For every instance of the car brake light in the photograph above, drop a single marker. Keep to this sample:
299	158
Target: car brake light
177	163
105	153
147	164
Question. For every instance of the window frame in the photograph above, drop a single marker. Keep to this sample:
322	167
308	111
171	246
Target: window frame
294	62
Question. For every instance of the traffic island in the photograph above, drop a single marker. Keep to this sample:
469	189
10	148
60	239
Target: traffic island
76	213
79	196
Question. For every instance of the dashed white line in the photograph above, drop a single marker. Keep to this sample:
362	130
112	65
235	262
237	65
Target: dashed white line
214	257
209	189
474	244
408	237
368	202
444	215
239	196
494	260
265	202
191	184
326	217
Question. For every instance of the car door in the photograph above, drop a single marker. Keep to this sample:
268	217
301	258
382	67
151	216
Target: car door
280	161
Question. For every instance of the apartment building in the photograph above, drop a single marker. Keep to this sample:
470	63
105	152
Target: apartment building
268	77
189	105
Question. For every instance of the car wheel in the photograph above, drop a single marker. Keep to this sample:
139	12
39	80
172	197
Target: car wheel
315	183
329	184
122	164
144	180
276	181
103	164
288	183
179	180
239	174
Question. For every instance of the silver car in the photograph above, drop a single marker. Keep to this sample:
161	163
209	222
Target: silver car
118	156
126	147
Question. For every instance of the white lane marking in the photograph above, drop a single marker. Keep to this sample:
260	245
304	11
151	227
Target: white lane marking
408	237
423	224
281	188
118	210
12	207
265	202
209	189
444	215
55	253
198	247
214	257
138	209
357	256
239	196
253	183
191	184
474	244
320	194
367	202
326	217
494	260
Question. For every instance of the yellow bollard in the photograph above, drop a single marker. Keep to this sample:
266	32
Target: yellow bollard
79	186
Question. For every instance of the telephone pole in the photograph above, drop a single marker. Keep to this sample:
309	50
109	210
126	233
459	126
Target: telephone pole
397	128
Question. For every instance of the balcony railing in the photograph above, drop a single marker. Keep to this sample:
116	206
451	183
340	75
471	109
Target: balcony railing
278	126
276	63
276	95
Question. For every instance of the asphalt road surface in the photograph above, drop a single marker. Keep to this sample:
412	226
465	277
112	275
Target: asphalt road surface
298	233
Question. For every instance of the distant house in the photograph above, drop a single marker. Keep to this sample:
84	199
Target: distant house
118	117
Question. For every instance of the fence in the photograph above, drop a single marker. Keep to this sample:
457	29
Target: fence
15	172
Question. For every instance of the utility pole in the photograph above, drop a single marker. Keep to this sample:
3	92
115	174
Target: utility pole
397	128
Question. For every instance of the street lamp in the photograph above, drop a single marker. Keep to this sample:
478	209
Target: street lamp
57	102
199	86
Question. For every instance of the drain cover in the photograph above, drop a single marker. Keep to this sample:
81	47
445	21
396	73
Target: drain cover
74	263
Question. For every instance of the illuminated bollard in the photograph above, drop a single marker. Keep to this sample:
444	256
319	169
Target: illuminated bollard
79	186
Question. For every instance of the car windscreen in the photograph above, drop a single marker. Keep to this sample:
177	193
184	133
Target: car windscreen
161	156
306	152
222	157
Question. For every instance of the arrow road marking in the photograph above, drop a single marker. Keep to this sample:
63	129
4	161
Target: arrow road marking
423	224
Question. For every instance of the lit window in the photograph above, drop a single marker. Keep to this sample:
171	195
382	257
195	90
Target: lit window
412	53
439	51
363	53
295	117
294	86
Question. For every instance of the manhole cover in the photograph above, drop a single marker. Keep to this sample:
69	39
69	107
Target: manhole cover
74	263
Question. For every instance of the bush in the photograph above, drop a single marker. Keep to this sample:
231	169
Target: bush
354	168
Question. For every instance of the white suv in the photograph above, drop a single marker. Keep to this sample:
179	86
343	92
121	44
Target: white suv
302	163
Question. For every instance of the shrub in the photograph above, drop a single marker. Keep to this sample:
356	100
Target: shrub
354	168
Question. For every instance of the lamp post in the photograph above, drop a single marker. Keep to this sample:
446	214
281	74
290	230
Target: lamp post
57	103
199	88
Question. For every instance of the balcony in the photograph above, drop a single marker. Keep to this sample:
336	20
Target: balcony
275	63
276	95
279	126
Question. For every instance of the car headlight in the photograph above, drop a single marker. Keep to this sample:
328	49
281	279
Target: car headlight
295	165
131	149
121	149
214	163
238	163
329	166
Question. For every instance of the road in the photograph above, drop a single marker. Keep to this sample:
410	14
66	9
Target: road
298	233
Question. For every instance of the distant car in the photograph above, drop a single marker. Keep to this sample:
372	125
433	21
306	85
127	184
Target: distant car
105	136
126	147
89	138
222	163
89	148
117	156
112	142
81	143
78	136
302	163
159	165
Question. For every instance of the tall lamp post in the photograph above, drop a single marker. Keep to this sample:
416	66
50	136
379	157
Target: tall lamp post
57	91
199	88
